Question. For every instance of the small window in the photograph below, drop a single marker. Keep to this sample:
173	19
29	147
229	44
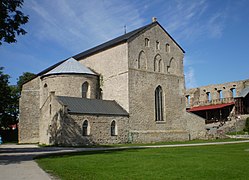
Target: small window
157	45
209	98
114	128
85	86
147	42
188	99
233	91
167	48
220	94
85	128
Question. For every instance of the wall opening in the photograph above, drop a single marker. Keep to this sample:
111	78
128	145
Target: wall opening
85	87
159	104
114	128
85	128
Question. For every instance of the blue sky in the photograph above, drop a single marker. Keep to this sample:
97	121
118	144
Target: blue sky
214	34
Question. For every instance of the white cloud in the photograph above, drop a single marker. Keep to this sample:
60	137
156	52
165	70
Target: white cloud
192	20
78	25
190	78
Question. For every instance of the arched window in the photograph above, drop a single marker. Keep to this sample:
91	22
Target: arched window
85	86
85	128
188	99
209	98
167	48
159	103
142	61
158	64
172	68
147	42
220	94
114	128
233	92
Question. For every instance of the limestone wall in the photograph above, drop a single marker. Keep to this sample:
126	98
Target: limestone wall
52	113
216	91
29	106
69	85
112	65
146	73
100	130
195	126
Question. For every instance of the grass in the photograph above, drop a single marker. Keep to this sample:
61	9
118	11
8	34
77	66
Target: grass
237	133
203	162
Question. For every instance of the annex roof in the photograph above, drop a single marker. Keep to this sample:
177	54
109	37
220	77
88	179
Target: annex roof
92	106
243	93
210	107
70	66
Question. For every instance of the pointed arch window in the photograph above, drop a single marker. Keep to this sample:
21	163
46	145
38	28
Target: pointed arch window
85	87
85	128
114	128
159	104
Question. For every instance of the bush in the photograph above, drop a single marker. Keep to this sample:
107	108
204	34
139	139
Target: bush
247	125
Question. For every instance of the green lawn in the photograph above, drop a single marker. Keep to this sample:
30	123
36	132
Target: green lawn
204	162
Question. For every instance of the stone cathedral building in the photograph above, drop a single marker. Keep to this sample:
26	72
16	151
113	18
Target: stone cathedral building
127	90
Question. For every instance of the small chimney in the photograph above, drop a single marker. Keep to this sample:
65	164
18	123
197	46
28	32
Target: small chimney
154	19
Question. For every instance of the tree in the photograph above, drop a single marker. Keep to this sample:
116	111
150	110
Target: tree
10	20
9	98
5	98
25	77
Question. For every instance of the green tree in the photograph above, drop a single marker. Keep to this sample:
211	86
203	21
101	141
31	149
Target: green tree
9	98
5	98
10	20
25	77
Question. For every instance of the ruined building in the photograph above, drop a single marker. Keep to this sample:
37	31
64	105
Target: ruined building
127	90
220	101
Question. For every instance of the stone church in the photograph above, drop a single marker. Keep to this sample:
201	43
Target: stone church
130	89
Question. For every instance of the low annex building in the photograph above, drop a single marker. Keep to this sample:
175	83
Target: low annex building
128	90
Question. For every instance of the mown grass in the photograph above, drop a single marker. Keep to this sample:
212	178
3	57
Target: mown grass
203	162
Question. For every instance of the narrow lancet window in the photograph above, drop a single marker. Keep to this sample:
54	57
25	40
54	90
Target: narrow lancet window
159	104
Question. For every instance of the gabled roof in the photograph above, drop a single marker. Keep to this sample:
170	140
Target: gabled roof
111	43
243	93
70	66
120	40
92	106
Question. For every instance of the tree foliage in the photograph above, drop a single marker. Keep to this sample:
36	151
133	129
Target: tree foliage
10	20
25	77
9	98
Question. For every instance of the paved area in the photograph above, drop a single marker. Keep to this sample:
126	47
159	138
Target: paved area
16	161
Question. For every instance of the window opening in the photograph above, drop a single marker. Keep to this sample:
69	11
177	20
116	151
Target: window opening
157	45
209	98
113	128
85	86
85	128
167	48
233	91
159	103
147	42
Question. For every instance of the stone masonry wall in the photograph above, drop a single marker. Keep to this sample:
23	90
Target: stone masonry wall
199	94
112	65
100	130
29	112
144	79
69	85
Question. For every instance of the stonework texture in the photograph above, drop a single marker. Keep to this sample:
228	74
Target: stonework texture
128	73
